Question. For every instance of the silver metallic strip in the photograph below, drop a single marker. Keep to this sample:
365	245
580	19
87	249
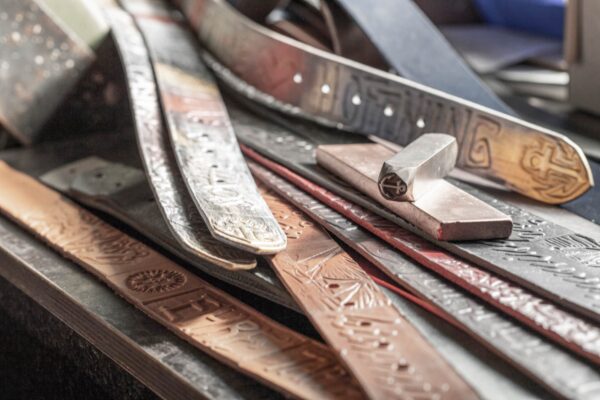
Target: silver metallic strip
202	138
177	209
300	80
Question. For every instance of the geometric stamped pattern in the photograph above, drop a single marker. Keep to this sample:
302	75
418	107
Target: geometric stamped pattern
555	368
209	319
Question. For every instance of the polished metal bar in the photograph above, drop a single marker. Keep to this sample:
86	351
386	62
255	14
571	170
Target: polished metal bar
417	169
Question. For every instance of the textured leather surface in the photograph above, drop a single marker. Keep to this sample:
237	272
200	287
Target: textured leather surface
208	318
386	354
554	367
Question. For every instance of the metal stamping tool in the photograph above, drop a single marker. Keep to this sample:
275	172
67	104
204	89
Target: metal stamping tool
416	169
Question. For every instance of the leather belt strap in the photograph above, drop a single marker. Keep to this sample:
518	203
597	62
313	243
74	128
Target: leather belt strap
549	319
538	254
386	354
40	62
205	147
299	80
177	209
553	367
123	193
208	318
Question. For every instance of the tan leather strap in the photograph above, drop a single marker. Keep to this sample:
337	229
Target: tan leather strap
206	317
386	354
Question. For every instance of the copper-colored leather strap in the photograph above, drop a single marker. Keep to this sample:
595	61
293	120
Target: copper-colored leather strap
206	317
386	354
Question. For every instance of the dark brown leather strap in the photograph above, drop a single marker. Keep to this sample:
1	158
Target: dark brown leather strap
208	318
385	352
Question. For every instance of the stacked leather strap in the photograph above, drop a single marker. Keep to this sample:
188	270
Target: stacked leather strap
206	317
386	354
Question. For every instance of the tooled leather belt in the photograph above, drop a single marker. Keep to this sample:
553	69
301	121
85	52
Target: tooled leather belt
201	137
302	81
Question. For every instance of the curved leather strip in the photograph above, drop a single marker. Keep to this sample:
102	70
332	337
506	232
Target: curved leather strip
386	354
40	62
177	209
115	190
553	367
548	319
208	318
331	90
538	253
202	139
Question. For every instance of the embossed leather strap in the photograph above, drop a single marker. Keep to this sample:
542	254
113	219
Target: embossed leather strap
555	368
538	253
40	61
549	319
208	318
205	147
386	354
169	190
123	193
300	80
131	207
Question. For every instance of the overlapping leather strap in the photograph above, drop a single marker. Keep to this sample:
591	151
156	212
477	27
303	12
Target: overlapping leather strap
202	140
386	354
177	209
40	61
123	193
345	162
555	368
299	80
538	254
470	219
208	318
549	319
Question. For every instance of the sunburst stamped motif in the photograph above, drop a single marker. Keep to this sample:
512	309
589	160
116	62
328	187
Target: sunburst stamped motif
156	281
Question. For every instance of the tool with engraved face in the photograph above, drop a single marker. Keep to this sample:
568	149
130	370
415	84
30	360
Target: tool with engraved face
416	169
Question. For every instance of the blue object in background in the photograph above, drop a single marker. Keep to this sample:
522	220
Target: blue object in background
542	17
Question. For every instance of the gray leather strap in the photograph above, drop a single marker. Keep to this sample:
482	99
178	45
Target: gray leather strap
416	50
